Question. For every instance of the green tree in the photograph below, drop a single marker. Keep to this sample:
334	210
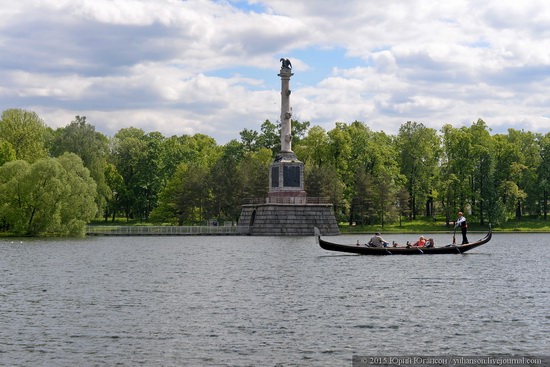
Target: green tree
544	174
80	137
12	175
298	130
376	176
196	149
339	158
185	197
148	179
361	164
514	173
78	204
321	179
53	195
249	138
456	170
129	148
420	149
92	147
116	185
26	132
205	150
138	159
527	178
254	173
386	180
313	148
7	153
226	182
484	201
270	136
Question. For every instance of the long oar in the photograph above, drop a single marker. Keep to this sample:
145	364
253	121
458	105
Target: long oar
454	233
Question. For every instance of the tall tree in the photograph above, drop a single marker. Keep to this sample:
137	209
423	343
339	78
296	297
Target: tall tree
26	132
365	155
148	179
186	195
386	180
79	137
226	182
78	205
484	201
509	171
419	149
115	182
456	169
544	174
298	130
196	149
339	157
321	179
52	195
529	160
313	148
129	149
185	198
144	162
270	137
249	138
254	174
7	153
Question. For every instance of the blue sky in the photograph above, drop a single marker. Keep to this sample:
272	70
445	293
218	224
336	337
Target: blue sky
210	67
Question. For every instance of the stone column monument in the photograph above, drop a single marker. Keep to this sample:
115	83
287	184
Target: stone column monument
286	174
286	111
287	210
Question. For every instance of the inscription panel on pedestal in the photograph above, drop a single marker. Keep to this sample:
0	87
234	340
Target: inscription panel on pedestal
291	176
274	176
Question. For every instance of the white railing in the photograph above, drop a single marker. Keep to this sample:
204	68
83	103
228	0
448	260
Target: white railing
288	200
164	230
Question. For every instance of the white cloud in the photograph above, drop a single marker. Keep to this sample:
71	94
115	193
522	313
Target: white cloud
185	67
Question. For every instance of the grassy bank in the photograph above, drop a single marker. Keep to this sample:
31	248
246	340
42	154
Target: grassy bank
415	226
420	226
430	226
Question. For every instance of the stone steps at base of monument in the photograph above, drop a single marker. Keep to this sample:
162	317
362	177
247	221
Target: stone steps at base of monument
294	220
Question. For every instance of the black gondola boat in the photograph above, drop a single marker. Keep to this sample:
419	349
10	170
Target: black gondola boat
363	250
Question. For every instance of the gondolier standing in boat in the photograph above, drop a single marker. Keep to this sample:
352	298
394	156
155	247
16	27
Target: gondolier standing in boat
461	222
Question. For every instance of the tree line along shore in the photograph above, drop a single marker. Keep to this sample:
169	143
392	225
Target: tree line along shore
56	181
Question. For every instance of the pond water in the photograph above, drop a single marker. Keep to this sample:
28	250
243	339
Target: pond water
265	301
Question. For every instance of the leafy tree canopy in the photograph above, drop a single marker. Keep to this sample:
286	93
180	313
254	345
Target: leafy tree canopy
51	195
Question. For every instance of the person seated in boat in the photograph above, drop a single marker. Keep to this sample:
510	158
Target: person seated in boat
377	241
421	242
430	243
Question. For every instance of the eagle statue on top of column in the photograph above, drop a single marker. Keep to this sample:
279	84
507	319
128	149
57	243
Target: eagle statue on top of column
286	64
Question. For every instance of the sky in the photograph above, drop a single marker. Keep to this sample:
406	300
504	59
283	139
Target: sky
210	67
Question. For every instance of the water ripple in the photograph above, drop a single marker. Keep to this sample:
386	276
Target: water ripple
251	301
